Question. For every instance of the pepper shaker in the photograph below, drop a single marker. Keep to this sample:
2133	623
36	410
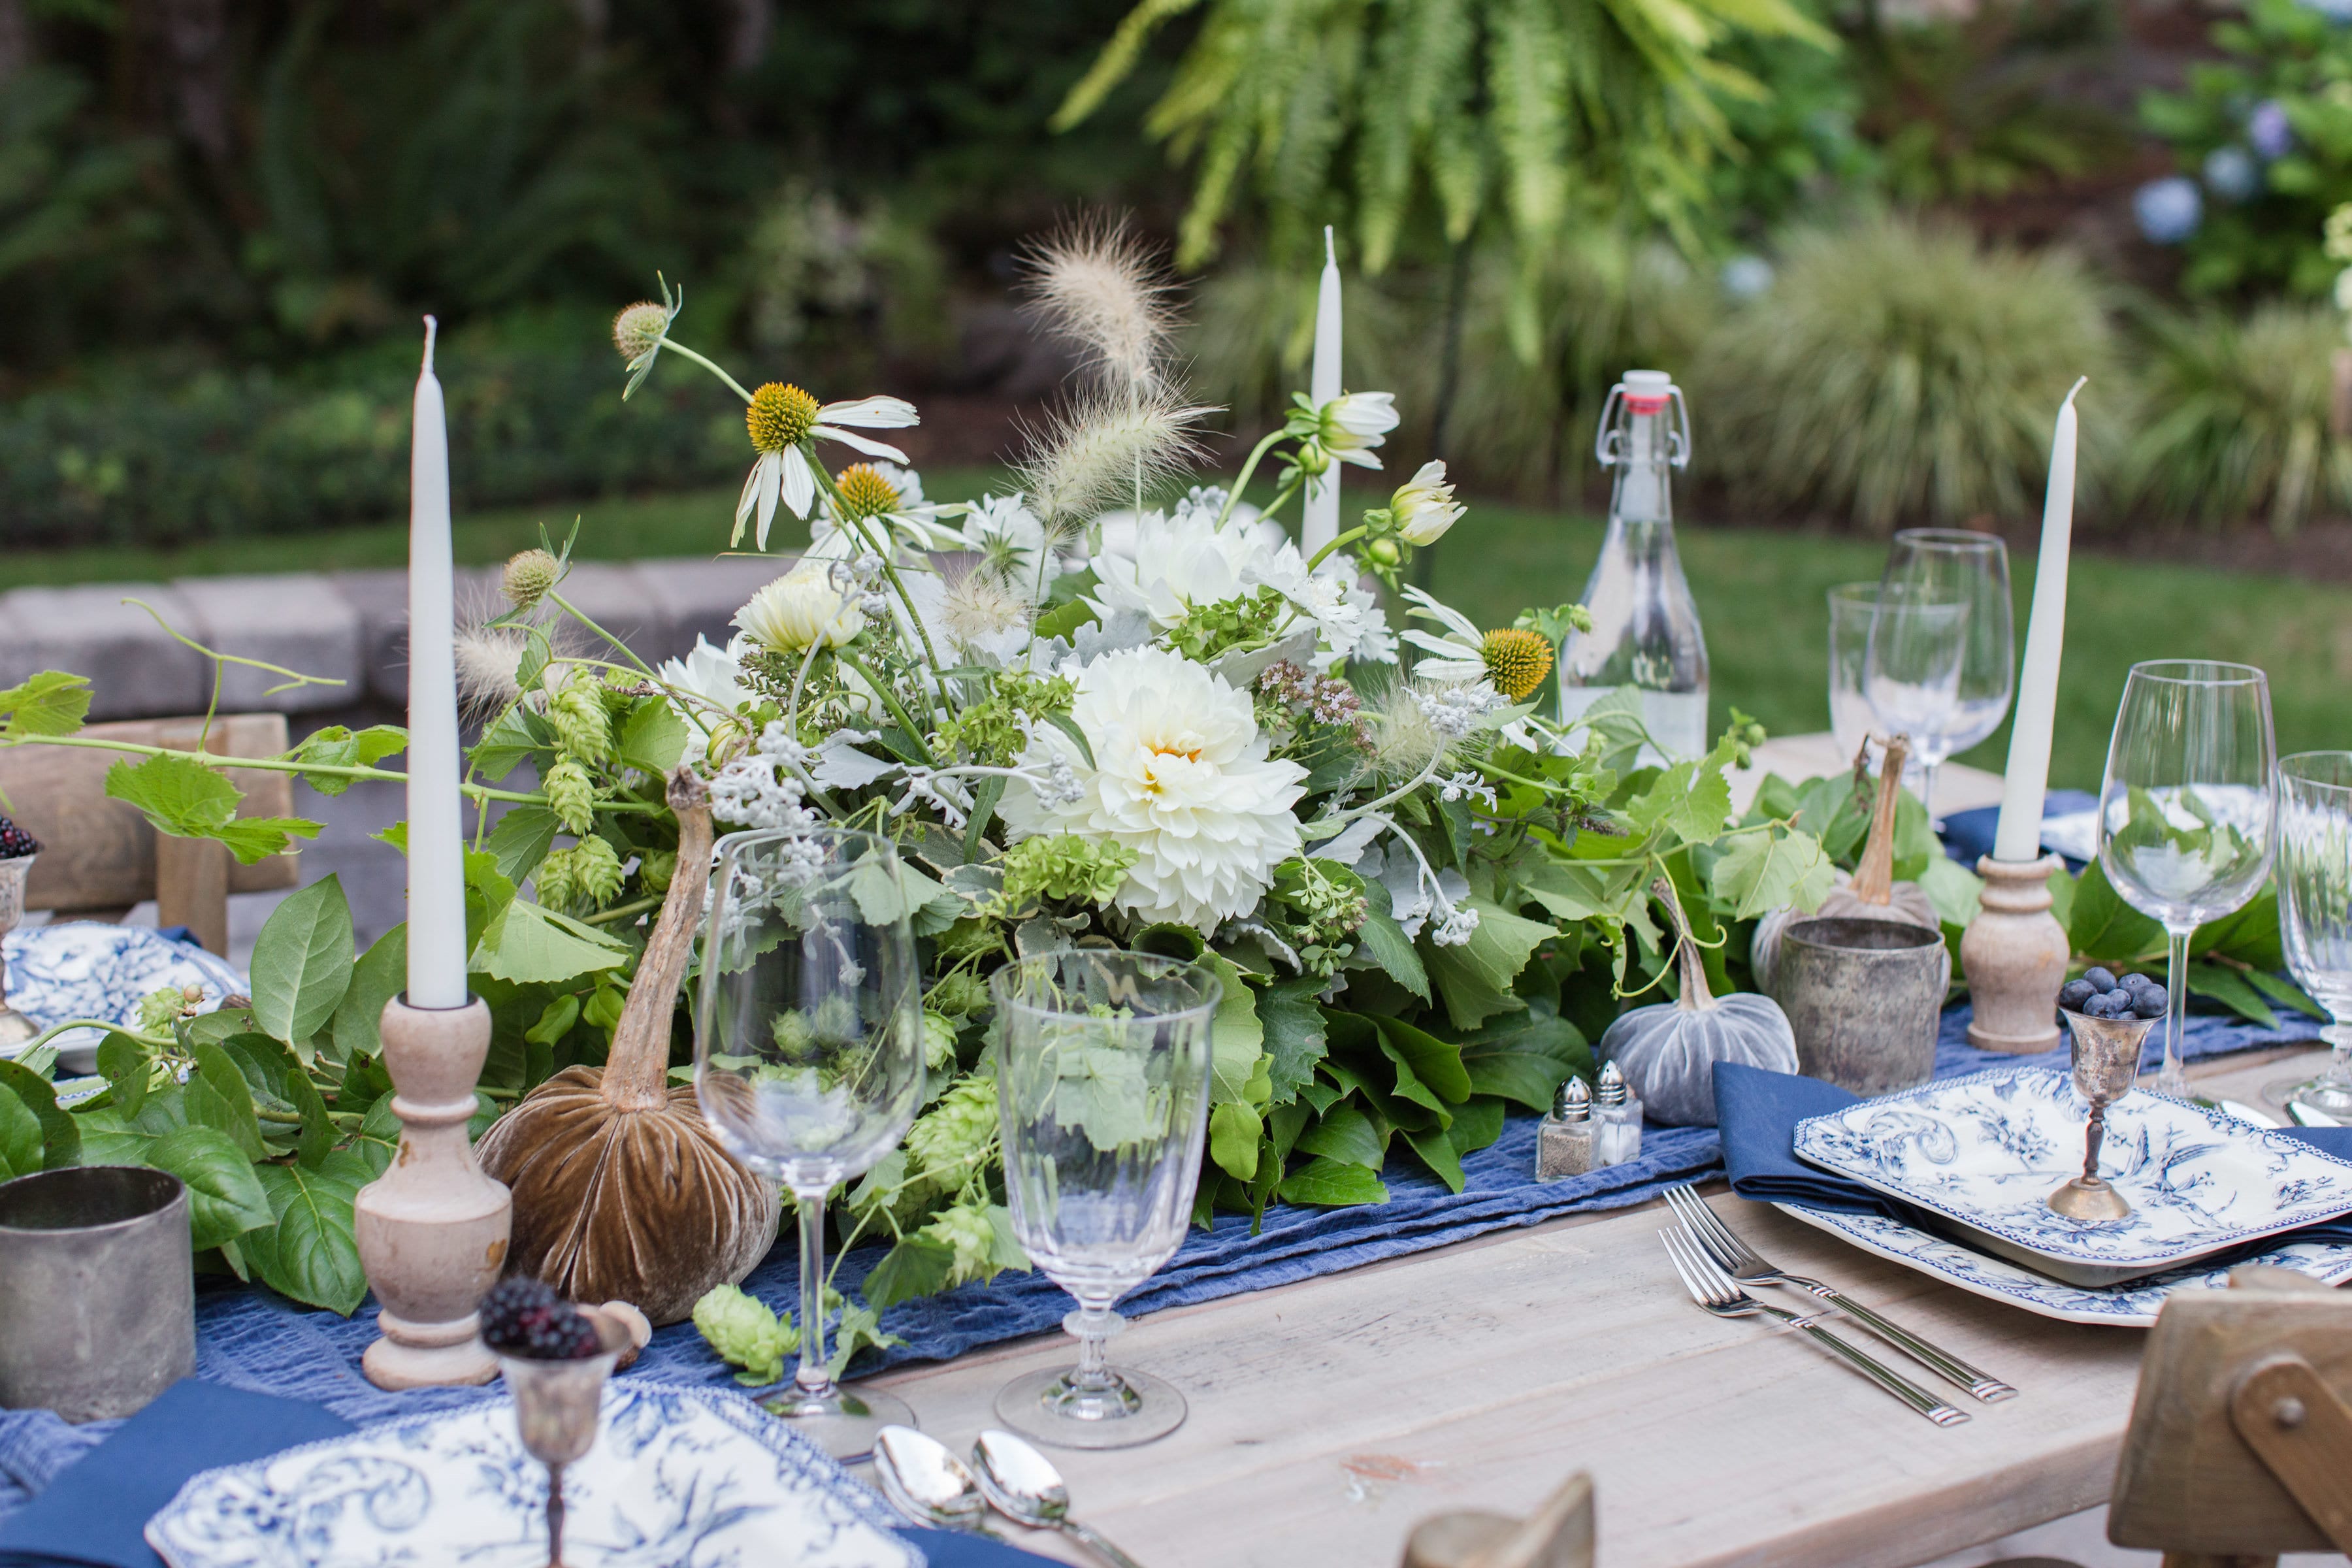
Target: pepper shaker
1564	1140
1617	1120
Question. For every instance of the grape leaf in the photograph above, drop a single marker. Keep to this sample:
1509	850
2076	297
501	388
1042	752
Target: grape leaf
653	737
302	961
521	840
525	944
187	799
917	1266
49	703
1771	869
1292	1022
1475	979
337	746
224	1197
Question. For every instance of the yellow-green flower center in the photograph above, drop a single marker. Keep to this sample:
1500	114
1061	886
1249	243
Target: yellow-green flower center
638	329
864	492
780	417
1517	662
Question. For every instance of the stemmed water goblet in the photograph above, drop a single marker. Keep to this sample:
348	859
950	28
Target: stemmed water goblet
1103	1096
2315	894
1959	565
2187	808
1911	663
808	1059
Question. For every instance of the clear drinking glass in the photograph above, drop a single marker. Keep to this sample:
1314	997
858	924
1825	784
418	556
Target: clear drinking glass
1960	565
1851	607
808	1058
1911	663
1103	1093
2314	886
2187	810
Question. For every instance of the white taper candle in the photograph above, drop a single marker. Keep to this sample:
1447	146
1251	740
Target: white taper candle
2018	836
1322	500
436	890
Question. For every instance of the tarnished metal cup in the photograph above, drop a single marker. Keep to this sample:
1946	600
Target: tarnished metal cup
98	1290
1865	999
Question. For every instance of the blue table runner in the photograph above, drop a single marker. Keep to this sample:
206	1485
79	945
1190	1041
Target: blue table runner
247	1338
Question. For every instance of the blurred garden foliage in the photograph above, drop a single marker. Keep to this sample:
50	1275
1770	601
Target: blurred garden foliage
221	222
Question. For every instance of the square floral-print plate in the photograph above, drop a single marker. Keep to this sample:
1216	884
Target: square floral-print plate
2132	1306
678	1476
1985	1151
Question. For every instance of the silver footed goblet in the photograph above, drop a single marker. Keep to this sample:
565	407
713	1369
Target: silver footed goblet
558	1406
2106	1061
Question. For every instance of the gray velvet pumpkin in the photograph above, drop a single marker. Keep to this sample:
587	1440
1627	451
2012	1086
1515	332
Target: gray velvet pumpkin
1871	893
1668	1051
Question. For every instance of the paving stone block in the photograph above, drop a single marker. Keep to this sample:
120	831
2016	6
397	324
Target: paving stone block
700	597
296	620
613	595
135	669
380	599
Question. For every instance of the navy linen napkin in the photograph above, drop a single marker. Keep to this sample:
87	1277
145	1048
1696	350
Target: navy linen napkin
94	1514
1757	1112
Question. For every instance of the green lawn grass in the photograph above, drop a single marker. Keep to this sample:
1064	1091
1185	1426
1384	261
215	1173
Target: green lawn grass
1759	592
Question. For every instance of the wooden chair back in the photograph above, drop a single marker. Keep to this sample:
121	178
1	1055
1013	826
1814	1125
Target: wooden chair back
2241	1438
100	856
1557	1535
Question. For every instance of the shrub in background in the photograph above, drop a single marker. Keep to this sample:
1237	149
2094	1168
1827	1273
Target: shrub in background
1896	372
2238	419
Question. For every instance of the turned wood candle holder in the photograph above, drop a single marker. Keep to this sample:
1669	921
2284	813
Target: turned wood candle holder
433	1229
2014	954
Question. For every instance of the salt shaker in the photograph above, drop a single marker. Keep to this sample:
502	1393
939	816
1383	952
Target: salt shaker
1616	1120
1564	1140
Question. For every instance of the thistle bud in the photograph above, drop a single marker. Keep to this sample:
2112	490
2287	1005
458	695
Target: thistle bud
528	578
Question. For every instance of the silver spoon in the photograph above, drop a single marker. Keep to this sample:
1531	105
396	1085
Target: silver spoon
928	1483
1025	1488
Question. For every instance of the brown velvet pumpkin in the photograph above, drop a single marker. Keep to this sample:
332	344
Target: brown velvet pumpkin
1871	892
620	1189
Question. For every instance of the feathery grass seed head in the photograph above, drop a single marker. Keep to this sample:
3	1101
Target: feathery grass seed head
1097	285
1095	451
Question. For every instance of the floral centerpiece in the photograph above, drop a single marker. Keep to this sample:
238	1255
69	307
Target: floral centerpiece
1110	707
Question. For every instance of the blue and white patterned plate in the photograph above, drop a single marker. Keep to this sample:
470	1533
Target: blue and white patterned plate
2134	1306
678	1476
1987	1150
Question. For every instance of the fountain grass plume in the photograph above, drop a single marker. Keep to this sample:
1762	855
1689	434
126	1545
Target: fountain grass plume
1103	445
1096	284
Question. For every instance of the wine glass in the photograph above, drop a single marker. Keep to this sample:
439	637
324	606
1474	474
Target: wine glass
1960	565
808	1058
2314	891
1851	607
1911	664
2187	808
1103	1095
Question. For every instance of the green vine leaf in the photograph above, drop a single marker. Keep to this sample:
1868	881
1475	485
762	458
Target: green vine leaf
302	961
49	703
311	1252
226	1198
187	799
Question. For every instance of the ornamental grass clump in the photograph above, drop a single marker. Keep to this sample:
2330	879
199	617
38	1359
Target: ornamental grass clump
2241	425
1896	373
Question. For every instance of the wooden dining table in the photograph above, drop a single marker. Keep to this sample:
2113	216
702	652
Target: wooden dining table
1330	1415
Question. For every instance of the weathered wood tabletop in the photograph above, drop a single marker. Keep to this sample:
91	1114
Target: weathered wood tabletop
1330	1415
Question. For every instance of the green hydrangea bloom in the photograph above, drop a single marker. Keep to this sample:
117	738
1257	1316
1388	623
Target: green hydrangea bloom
745	1333
1064	866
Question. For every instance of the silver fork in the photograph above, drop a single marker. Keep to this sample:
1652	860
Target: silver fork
1714	1289
1748	1266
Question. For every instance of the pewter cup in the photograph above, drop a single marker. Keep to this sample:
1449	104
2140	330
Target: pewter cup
2107	1063
98	1291
1864	998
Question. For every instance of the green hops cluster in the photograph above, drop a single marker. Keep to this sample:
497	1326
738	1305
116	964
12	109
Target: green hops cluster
581	721
159	1010
1208	630
950	1138
572	794
1066	867
745	1333
589	872
966	1230
655	867
957	995
939	1043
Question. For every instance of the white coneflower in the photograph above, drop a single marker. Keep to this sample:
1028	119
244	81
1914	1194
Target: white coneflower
1103	447
781	417
1097	285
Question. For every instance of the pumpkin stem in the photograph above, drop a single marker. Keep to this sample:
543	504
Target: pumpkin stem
1874	875
636	1072
1696	997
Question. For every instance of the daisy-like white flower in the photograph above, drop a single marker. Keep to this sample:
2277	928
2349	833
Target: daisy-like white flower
1350	425
713	674
800	608
1008	537
782	420
1348	622
1180	775
1424	507
1459	656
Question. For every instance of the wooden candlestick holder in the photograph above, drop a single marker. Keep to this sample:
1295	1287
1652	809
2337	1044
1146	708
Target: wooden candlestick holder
433	1229
2014	954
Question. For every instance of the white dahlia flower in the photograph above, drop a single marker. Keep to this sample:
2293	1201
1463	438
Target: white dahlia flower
1180	776
1354	423
799	608
1424	506
1178	564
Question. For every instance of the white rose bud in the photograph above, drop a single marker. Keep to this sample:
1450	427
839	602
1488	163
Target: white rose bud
1424	506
